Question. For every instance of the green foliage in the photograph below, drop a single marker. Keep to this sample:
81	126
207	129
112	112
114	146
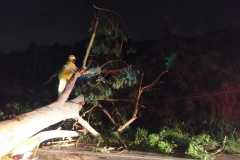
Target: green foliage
141	137
175	135
200	145
168	141
101	88
127	78
108	45
232	144
160	144
170	60
165	142
153	139
165	147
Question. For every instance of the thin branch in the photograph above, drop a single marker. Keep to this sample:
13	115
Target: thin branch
107	114
103	110
113	12
105	10
136	108
137	100
90	114
148	87
90	43
123	127
90	110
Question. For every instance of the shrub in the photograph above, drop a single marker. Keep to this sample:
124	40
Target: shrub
199	147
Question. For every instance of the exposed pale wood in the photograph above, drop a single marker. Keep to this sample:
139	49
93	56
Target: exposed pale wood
136	108
18	130
90	43
30	144
86	125
14	131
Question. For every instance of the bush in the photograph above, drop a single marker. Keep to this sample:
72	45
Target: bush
166	141
200	146
141	137
232	145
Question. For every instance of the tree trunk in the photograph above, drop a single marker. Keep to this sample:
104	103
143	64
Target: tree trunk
22	127
16	131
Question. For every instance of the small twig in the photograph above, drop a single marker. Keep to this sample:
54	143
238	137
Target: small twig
107	114
111	11
148	87
90	113
90	110
104	9
103	110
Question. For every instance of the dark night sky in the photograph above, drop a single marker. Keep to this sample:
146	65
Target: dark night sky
67	21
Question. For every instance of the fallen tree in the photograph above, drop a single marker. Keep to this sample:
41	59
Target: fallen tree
17	131
21	134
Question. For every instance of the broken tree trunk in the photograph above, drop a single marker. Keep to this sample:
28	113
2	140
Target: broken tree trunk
22	127
15	131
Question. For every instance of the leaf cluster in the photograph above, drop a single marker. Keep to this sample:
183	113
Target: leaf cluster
101	88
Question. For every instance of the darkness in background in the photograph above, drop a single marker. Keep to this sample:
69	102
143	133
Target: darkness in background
45	22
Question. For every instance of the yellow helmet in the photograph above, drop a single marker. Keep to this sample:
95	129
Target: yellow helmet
71	57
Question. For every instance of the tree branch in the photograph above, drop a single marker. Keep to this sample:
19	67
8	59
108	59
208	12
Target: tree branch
107	114
137	100
90	43
148	87
136	108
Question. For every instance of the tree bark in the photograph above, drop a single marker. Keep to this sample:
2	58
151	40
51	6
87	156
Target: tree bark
22	127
